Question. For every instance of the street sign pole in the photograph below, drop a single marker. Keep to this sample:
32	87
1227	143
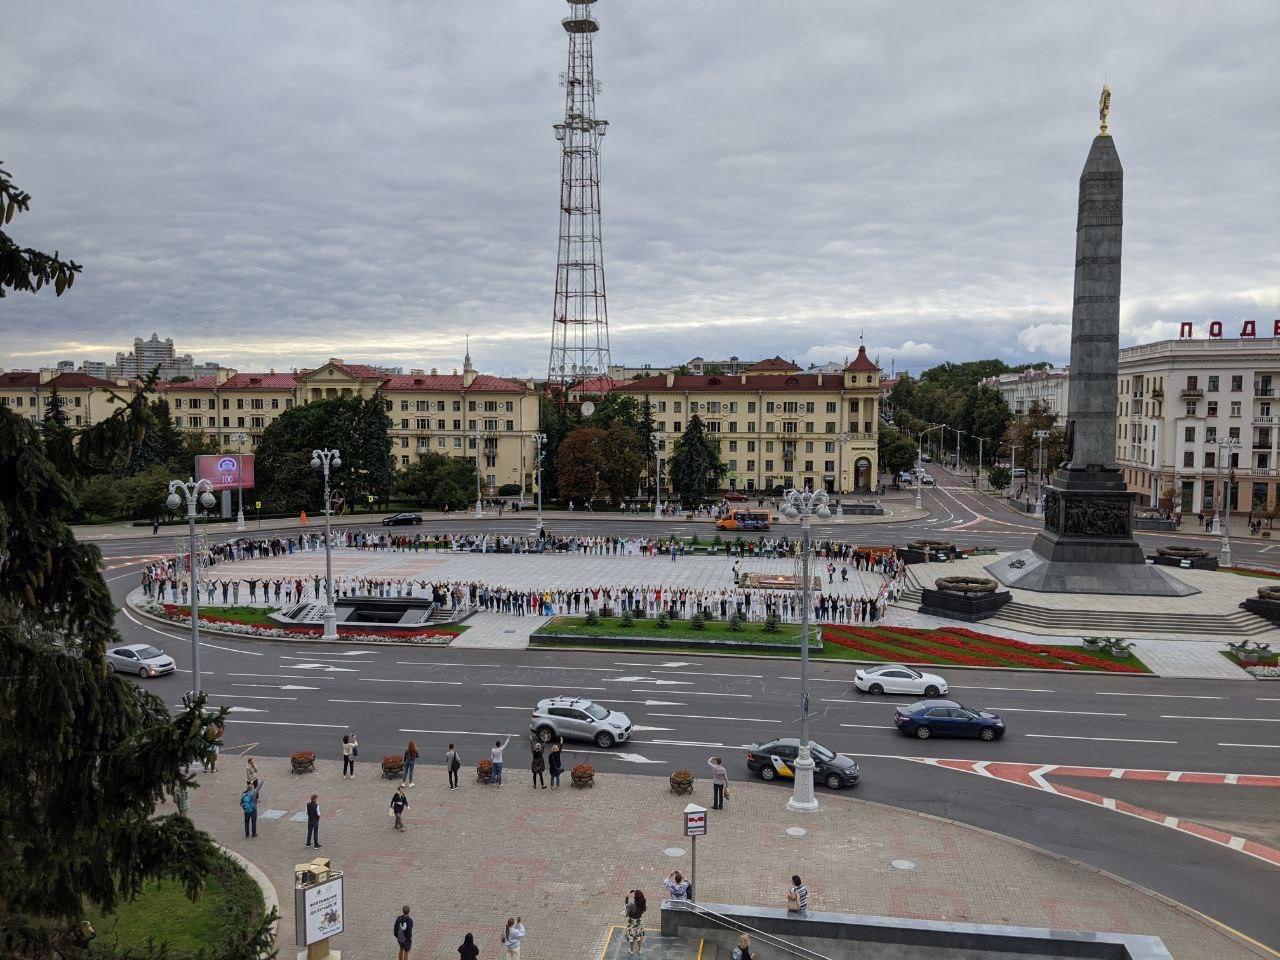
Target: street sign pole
695	826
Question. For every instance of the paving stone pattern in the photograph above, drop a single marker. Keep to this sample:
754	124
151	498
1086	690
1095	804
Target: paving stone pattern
565	859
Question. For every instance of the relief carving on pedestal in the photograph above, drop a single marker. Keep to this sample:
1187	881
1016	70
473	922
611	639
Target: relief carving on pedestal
1052	501
1090	517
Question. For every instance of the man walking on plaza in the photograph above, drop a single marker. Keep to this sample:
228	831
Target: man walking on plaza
313	823
496	756
403	930
452	763
249	804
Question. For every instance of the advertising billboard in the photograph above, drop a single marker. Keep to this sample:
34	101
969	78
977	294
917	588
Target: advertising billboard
226	471
319	911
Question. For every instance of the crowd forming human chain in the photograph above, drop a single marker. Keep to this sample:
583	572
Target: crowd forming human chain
831	601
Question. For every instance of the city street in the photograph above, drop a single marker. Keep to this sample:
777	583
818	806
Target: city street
1222	860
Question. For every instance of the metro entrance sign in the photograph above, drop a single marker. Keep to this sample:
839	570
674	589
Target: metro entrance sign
695	821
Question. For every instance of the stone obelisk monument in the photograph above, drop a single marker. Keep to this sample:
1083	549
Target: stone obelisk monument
1087	544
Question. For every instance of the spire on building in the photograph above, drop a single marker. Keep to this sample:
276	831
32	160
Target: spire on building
466	360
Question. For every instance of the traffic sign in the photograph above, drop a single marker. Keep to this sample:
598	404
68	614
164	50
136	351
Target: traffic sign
695	821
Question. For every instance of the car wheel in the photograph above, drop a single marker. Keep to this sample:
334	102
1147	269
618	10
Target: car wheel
931	691
987	733
142	672
604	740
875	688
767	772
112	667
834	782
923	733
545	734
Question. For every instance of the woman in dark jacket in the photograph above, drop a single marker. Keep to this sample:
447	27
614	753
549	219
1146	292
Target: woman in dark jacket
539	762
468	950
555	765
634	907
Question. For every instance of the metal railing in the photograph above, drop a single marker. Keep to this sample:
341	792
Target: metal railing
794	949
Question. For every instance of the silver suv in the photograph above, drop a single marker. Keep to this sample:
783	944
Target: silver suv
576	718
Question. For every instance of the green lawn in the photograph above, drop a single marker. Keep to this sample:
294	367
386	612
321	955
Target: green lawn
163	913
256	616
678	630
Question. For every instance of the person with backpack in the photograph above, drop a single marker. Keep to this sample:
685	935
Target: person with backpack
399	804
452	763
249	804
634	907
410	759
512	935
403	931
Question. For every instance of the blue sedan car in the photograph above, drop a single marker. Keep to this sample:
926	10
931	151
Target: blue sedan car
946	718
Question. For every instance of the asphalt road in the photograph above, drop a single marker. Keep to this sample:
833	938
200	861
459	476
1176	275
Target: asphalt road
286	697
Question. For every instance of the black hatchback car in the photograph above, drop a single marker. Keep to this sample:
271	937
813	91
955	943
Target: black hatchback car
402	519
777	758
946	718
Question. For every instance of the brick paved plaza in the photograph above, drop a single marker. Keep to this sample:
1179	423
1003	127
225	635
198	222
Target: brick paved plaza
564	859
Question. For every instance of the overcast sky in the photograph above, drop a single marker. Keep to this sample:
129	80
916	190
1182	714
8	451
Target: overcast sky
274	184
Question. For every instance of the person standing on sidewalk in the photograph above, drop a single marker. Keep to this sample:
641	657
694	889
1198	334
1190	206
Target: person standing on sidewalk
468	950
410	758
678	888
249	804
313	823
634	907
452	763
496	756
539	762
251	772
348	756
403	930
512	936
399	804
555	765
719	782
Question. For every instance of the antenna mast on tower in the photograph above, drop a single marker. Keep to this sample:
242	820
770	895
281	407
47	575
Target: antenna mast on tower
580	323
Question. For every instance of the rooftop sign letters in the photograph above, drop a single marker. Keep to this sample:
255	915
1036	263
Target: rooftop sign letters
1249	328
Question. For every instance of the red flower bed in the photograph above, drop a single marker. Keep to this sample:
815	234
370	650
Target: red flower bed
959	645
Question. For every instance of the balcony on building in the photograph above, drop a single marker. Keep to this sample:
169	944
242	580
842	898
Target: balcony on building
1191	392
1264	391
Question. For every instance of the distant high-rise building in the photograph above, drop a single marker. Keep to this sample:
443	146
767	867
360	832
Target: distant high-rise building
66	366
96	368
148	355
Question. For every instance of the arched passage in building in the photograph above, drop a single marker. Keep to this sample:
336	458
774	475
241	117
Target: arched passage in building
862	475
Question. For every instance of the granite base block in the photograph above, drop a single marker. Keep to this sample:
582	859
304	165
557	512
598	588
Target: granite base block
969	607
1027	570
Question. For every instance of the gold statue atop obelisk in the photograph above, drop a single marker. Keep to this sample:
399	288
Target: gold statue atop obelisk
1104	108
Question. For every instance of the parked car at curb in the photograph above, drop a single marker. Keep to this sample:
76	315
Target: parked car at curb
402	519
577	718
777	759
141	659
946	718
892	678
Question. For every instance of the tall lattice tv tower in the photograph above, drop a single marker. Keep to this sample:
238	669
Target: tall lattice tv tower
580	325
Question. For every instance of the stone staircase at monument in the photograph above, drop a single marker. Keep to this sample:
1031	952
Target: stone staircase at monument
1017	615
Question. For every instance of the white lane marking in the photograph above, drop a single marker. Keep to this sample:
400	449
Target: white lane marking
1236	843
274	686
1038	775
1058	736
446	663
1011	689
1177	716
247	696
624	757
1264	746
699	673
452	683
251	653
322	656
1233	778
234	709
537	686
1109	803
652	729
864	702
147	626
684	743
1269	699
289	723
848	683
1074	713
282	676
1170	822
1174	776
456	733
868	726
656	681
672	663
698	693
400	703
1169	696
326	667
651	703
1117	773
699	716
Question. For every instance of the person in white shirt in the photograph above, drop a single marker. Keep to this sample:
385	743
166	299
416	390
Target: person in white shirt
512	935
677	886
496	756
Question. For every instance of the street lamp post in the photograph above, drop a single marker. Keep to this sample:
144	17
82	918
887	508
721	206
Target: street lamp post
481	437
1040	435
977	474
239	438
538	440
323	460
657	479
1227	447
193	491
919	465
841	439
805	505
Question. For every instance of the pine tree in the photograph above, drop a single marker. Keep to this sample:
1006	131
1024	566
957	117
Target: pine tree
695	465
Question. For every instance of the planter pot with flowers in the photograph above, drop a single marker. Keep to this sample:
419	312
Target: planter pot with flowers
392	766
484	771
303	761
583	775
681	782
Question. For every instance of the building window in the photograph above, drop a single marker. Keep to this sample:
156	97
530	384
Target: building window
256	423
1189	434
808	424
1191	409
853	406
831	406
1211	434
1213	385
1189	458
733	426
829	466
768	465
751	406
1235	408
675	406
751	446
808	446
1193	383
1237	383
675	426
751	465
1233	433
1212	410
733	446
831	426
808	466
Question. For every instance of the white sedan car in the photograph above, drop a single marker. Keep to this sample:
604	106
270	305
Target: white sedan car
141	659
891	678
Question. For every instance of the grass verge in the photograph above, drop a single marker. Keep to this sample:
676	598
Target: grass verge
677	630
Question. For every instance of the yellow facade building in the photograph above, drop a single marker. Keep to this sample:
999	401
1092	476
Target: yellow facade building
85	400
777	425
